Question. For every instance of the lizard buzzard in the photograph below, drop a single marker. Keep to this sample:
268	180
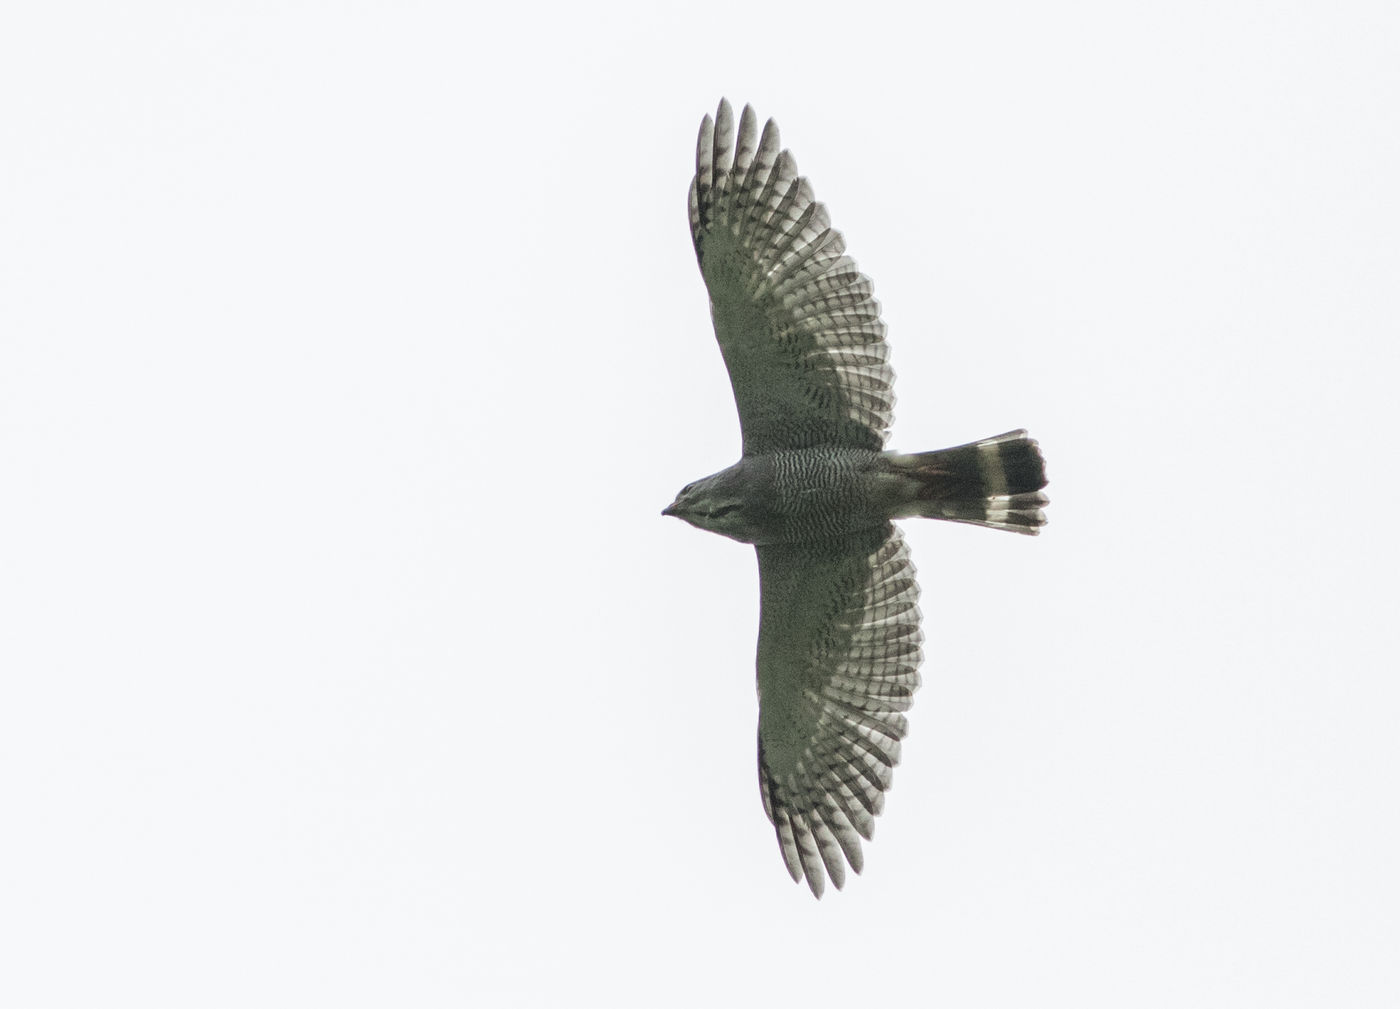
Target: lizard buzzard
815	492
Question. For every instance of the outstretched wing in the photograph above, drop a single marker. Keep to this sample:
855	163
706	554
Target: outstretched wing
838	660
797	323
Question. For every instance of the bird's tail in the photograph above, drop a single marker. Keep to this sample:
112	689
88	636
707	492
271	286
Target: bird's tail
994	482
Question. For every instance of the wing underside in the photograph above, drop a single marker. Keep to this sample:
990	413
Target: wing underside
797	322
838	656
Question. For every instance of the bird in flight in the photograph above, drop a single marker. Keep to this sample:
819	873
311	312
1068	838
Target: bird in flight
816	493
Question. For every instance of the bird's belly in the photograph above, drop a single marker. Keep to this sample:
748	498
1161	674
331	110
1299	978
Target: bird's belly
817	493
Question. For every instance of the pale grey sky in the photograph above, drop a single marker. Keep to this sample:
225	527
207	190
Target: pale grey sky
348	353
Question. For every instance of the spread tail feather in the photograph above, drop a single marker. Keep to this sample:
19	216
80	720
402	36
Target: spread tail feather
994	482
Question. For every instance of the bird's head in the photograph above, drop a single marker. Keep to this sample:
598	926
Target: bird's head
716	503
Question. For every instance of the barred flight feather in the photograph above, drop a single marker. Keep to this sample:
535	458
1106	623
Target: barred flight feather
839	649
994	482
796	320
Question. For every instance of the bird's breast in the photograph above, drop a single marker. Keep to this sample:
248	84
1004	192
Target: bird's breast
805	494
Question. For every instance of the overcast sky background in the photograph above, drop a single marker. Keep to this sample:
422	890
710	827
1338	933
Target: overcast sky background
348	353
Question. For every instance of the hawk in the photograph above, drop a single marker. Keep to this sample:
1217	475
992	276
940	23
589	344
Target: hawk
816	493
